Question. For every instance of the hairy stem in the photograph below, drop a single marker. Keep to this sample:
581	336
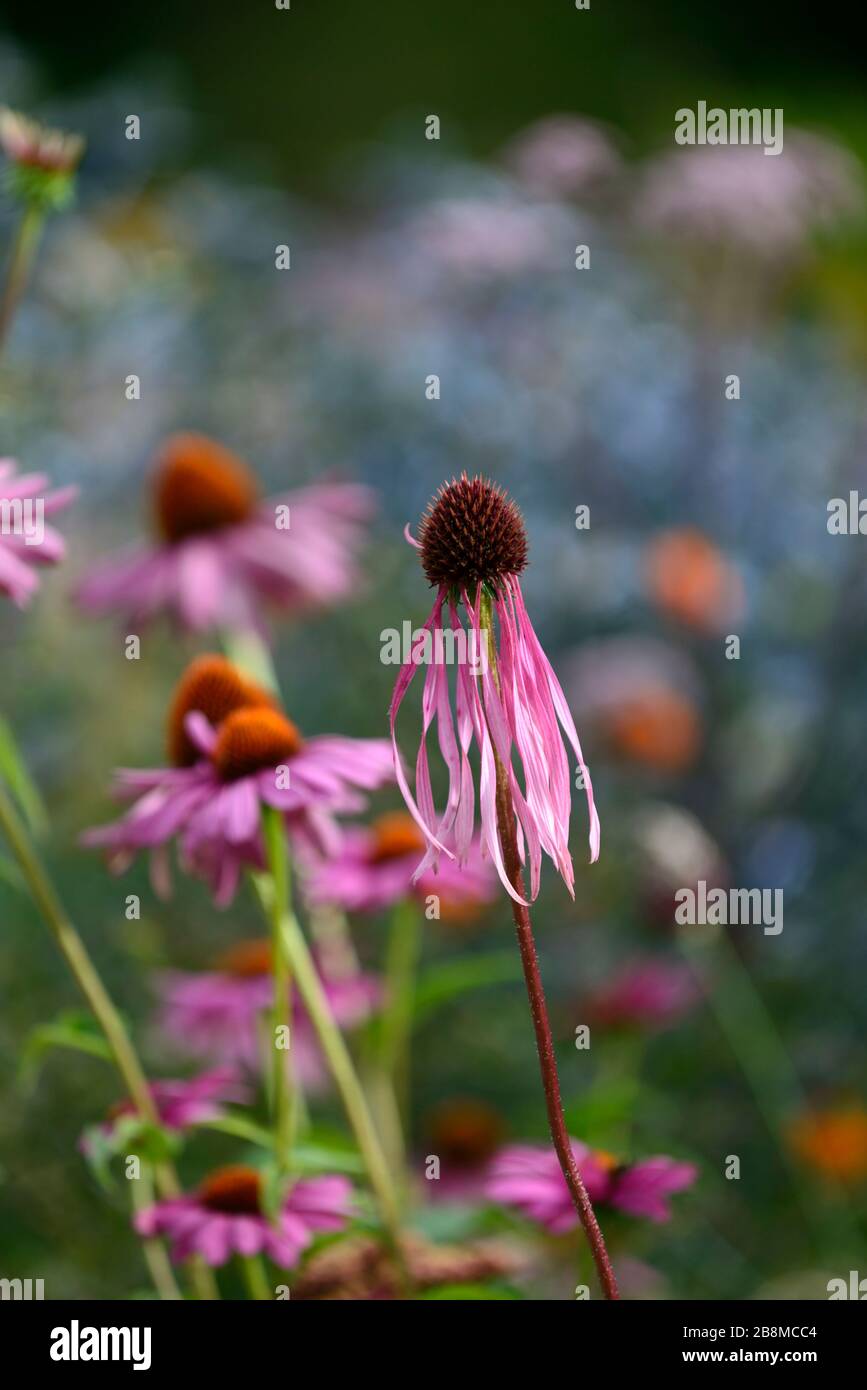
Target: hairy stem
538	1008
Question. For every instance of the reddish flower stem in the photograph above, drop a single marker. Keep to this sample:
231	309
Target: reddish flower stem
508	837
545	1042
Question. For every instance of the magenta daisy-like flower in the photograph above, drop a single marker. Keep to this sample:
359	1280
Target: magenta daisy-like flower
216	1014
181	1103
374	866
232	752
473	549
25	541
529	1178
221	553
644	994
225	1217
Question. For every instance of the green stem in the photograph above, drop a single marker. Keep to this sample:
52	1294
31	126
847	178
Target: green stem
284	1092
18	270
340	1064
156	1258
255	1277
251	654
392	1083
89	982
404	948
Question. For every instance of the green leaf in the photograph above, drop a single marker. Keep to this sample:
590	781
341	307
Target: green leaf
440	984
19	781
74	1029
306	1158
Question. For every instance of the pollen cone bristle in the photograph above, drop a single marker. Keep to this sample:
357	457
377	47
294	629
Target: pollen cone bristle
246	959
394	836
199	486
235	1190
471	532
214	686
253	740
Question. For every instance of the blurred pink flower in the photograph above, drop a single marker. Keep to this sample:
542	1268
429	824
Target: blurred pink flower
766	205
644	994
373	869
225	1217
183	1103
472	540
222	554
251	756
563	156
216	1014
529	1177
25	541
487	236
25	141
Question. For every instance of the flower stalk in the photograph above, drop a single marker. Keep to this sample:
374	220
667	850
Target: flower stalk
87	978
284	1089
339	1061
536	995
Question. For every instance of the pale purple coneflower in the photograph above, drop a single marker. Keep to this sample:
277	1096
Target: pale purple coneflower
180	1104
645	994
374	868
234	752
216	1014
225	1216
221	553
25	541
473	548
528	1177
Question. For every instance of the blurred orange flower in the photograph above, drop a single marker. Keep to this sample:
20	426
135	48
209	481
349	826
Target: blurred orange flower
834	1142
659	728
691	580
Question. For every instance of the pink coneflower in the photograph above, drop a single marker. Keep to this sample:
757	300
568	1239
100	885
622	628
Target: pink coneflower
182	1103
374	867
25	541
222	553
645	994
225	1217
216	1014
473	548
464	1134
528	1177
233	752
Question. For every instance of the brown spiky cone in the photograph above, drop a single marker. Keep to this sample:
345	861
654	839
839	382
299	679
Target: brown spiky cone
471	533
